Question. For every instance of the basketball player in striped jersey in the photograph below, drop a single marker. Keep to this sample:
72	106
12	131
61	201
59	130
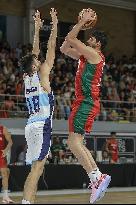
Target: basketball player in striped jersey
40	101
5	138
87	103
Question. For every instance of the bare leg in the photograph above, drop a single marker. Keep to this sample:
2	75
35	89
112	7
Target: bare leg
75	142
5	178
30	187
34	195
94	165
5	172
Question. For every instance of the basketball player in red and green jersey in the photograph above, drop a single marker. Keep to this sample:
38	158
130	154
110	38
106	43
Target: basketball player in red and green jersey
86	105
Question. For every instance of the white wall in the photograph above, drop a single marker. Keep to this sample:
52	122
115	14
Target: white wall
17	126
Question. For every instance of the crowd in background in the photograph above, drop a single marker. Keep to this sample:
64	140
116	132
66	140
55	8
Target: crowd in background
118	84
61	154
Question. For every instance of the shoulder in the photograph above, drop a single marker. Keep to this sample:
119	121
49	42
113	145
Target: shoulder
44	68
92	50
94	56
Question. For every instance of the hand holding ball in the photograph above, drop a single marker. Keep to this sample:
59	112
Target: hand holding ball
89	17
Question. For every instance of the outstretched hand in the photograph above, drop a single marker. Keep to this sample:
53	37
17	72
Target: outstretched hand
54	17
38	20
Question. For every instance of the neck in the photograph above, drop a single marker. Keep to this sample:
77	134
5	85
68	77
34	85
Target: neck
97	49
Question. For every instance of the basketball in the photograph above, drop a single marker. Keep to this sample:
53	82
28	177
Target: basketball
90	24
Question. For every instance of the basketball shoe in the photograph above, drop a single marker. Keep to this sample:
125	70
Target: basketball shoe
99	188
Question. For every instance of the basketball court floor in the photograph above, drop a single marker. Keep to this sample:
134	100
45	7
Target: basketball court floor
113	196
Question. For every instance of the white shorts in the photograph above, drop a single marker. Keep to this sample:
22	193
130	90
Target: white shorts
38	137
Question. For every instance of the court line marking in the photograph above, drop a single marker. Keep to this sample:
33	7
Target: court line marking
73	191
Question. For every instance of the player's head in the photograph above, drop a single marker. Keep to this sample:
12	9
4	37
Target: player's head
113	134
30	64
98	39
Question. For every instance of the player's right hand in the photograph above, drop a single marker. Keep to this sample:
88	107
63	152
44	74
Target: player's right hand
38	20
88	15
54	17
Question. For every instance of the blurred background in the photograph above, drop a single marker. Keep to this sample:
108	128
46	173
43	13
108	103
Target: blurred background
117	120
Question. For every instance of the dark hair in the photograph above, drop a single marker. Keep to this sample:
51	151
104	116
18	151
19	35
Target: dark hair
100	36
26	63
113	133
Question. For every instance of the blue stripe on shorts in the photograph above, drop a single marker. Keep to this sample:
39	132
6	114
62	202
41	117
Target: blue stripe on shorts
47	131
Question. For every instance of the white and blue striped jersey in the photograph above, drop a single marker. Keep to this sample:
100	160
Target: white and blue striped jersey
39	102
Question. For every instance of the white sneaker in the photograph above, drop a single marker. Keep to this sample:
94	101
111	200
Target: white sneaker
25	202
105	187
99	188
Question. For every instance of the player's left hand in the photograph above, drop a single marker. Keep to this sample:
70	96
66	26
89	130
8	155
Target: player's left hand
54	17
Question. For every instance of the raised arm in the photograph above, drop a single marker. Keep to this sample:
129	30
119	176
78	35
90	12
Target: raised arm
38	26
89	53
50	56
69	51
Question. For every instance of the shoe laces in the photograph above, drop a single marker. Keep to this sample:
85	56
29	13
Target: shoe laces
96	184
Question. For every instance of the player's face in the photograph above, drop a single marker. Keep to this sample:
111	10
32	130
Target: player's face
92	42
36	65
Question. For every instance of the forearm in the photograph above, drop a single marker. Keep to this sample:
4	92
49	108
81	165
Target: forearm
69	51
74	32
53	38
50	56
36	49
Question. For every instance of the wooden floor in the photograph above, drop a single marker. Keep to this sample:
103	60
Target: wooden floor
110	198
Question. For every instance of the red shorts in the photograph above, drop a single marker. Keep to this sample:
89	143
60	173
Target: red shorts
3	163
83	115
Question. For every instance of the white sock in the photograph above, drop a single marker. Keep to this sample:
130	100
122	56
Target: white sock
25	202
5	194
95	175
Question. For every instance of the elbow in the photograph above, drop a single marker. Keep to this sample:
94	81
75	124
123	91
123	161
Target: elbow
69	39
63	50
